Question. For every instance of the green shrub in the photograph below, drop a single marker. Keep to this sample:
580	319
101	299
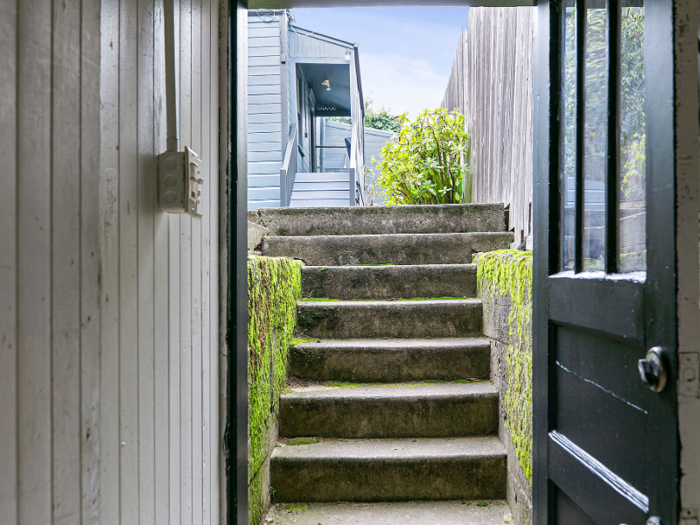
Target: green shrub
426	163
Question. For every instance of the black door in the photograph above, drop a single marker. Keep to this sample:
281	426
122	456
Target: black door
605	409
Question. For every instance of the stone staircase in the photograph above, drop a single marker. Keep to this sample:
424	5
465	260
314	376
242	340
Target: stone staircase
392	400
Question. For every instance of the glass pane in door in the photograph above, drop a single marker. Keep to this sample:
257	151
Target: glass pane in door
568	172
632	214
595	135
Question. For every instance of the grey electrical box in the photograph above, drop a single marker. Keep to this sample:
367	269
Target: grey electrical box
180	182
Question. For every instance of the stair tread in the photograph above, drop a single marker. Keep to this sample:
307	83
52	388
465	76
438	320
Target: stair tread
406	391
392	513
396	344
365	236
387	449
399	303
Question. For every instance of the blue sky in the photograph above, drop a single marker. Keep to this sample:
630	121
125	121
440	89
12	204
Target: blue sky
406	53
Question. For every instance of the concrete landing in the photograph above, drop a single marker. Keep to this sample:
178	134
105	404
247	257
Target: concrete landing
413	513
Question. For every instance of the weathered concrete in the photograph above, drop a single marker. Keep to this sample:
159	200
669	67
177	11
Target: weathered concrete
404	513
389	282
444	410
390	470
382	219
339	250
391	360
418	319
256	232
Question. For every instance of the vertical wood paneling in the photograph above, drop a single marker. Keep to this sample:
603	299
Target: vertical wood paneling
8	263
65	262
185	89
176	477
196	110
147	207
109	333
204	275
34	261
215	448
90	262
491	84
128	262
161	285
109	255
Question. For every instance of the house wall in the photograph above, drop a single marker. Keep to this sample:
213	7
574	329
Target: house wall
266	138
109	336
491	85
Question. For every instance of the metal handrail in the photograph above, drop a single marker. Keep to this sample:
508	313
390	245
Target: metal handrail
289	168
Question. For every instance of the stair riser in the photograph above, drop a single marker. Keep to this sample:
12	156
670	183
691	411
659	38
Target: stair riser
382	366
390	249
449	416
383	219
389	282
318	480
400	319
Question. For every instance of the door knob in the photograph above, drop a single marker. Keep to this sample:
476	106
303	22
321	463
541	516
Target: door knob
654	369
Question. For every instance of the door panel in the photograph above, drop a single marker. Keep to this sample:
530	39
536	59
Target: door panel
606	445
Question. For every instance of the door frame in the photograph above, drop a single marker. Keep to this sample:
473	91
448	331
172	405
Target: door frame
233	153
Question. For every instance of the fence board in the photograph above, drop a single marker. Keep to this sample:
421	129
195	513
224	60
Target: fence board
491	84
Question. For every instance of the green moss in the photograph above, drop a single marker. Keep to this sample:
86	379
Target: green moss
296	341
304	441
341	384
274	288
509	273
296	507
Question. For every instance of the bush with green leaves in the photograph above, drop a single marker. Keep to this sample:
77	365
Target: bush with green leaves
376	119
427	160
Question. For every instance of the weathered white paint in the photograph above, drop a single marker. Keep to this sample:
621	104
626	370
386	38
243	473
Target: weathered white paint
109	333
491	85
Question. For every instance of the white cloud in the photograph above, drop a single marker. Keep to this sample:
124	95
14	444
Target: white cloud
401	84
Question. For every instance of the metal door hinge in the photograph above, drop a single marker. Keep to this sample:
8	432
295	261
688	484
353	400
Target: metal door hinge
689	370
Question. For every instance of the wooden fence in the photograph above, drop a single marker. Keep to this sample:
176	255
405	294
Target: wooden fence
491	84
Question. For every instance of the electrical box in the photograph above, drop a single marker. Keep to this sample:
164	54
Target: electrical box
180	182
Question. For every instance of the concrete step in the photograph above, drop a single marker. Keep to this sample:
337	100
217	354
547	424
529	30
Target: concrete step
397	411
448	218
390	470
369	319
391	360
389	282
396	513
339	250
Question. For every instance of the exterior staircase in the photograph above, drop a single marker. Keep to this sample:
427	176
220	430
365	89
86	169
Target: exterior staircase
392	400
321	189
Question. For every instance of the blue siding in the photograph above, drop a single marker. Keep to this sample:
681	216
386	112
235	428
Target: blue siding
264	111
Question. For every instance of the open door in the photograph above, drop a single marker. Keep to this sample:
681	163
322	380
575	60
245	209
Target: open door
605	335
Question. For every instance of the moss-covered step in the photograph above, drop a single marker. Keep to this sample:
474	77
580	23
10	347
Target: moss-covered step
437	410
410	319
389	282
390	470
391	360
382	219
426	248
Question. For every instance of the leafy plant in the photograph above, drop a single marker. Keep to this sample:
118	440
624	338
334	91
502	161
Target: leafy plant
427	161
376	119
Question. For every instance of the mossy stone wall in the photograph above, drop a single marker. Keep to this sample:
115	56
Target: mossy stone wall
274	288
504	283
